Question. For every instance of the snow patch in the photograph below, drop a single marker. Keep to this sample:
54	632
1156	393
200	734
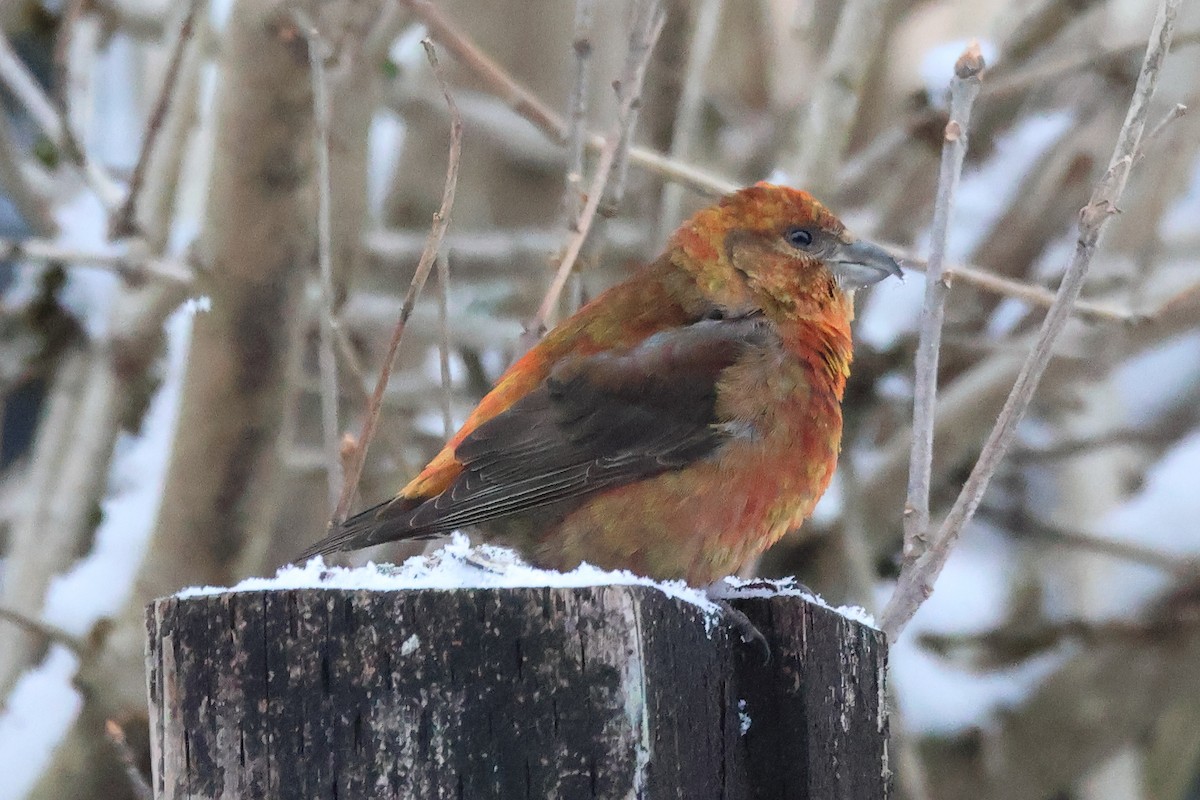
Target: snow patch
744	720
98	584
197	305
985	193
458	565
1162	517
983	196
1175	365
385	143
939	696
37	714
732	588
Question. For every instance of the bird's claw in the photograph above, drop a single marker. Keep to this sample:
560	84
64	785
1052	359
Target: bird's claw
745	629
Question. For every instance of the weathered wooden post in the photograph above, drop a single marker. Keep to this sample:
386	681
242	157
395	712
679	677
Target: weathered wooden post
608	691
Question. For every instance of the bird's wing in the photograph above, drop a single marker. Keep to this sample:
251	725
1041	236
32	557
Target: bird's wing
597	421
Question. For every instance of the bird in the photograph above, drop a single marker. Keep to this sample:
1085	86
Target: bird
677	425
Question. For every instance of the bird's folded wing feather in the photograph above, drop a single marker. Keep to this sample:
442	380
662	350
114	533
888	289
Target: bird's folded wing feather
596	422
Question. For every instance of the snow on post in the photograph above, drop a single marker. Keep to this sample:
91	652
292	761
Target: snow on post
468	674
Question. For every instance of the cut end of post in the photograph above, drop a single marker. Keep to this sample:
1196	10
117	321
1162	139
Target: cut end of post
970	64
369	668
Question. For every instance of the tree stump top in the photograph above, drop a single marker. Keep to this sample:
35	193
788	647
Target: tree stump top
409	682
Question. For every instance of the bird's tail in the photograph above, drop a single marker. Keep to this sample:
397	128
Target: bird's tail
386	522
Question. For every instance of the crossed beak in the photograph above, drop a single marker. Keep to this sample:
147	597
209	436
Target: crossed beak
857	263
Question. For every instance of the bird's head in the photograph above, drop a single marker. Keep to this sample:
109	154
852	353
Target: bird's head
777	250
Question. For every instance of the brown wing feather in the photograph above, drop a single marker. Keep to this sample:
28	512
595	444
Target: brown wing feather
596	422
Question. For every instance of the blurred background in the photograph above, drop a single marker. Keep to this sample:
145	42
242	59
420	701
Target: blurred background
161	306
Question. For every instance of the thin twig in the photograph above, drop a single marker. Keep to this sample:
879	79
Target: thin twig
129	265
479	250
1158	436
1087	310
1026	526
632	79
1042	74
1177	111
1140	270
137	781
820	140
125	222
499	82
577	105
43	630
362	388
670	169
437	230
326	356
520	99
62	46
642	36
691	103
25	87
964	88
916	580
31	201
443	292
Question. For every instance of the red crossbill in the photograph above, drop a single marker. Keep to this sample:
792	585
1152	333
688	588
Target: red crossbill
678	424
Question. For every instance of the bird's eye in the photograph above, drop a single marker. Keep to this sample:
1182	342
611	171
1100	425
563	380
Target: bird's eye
798	237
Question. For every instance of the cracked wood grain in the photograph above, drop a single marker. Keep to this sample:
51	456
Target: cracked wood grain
593	692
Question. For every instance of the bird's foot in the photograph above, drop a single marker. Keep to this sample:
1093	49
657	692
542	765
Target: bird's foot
745	629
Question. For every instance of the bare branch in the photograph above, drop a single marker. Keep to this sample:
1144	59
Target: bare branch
1027	526
42	630
916	579
443	287
1044	73
16	176
499	82
504	86
326	356
437	230
21	82
670	169
1177	111
1087	310
585	12
964	88
642	37
631	81
125	221
820	140
691	102
127	263
362	389
137	781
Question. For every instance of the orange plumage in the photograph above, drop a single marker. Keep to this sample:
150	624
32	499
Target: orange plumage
678	424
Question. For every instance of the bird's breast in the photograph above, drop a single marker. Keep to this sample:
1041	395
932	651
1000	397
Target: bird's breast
768	393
